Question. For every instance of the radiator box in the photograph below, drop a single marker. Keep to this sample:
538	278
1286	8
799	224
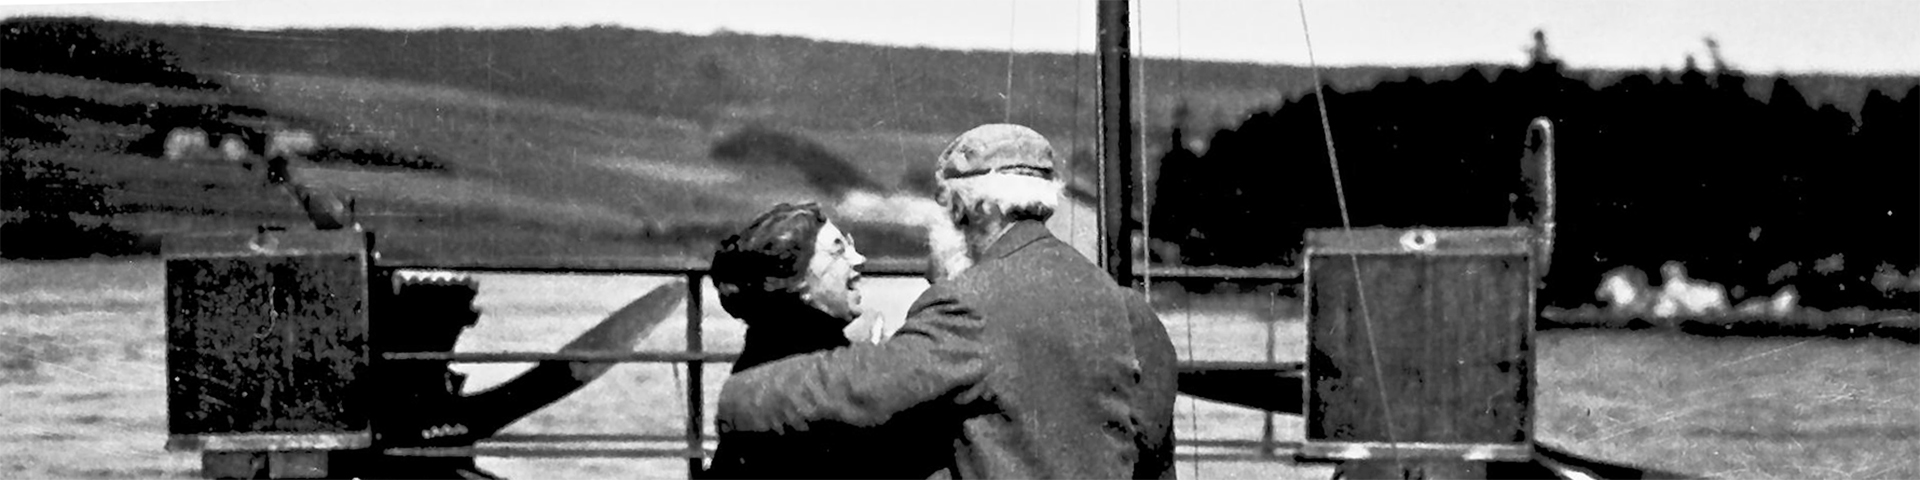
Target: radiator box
1437	362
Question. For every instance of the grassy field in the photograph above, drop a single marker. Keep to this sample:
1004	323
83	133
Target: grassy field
516	169
82	360
534	168
1735	408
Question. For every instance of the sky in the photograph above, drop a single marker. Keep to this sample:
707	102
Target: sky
1799	36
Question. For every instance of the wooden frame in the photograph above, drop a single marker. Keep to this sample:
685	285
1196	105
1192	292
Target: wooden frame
266	340
1471	285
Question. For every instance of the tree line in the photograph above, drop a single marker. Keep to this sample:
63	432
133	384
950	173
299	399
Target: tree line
1740	177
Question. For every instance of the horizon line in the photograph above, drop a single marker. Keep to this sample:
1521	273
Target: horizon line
722	31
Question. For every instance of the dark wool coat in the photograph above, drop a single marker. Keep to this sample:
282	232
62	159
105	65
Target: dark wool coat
1031	364
779	332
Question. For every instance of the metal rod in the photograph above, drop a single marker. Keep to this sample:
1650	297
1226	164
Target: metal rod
1266	418
1501	452
1234	457
533	451
700	357
564	438
1540	134
1234	442
1269	273
1116	134
879	267
637	264
582	437
696	400
1284	368
604	357
692	455
1236	450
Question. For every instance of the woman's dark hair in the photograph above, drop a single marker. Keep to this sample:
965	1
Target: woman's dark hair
765	264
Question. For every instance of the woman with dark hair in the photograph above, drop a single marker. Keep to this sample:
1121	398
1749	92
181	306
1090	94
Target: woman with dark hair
790	275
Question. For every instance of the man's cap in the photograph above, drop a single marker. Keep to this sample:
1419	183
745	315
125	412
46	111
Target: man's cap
997	148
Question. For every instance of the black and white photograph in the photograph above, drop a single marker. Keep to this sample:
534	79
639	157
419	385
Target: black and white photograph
684	239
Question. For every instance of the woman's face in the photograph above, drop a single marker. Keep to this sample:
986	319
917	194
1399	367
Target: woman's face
832	284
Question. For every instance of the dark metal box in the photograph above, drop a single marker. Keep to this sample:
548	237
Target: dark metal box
1437	362
267	340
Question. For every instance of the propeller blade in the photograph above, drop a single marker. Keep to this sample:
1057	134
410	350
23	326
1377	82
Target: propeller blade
549	381
1272	387
624	329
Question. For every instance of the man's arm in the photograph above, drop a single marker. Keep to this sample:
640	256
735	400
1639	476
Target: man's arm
1159	385
938	357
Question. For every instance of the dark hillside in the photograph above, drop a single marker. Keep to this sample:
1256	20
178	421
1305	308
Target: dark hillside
95	49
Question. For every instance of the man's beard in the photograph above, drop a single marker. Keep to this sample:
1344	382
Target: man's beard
947	250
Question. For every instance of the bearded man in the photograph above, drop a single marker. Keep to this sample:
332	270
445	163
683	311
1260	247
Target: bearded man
1023	359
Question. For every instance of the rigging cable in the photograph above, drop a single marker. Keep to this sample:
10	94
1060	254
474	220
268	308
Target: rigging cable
1143	104
1346	222
1007	94
1073	138
1179	58
1140	41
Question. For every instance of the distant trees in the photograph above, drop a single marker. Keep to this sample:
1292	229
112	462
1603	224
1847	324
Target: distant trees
91	49
1734	180
823	169
48	210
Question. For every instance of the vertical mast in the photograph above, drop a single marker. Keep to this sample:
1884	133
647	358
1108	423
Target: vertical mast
1116	148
